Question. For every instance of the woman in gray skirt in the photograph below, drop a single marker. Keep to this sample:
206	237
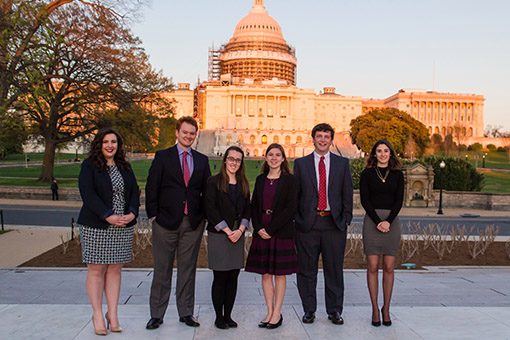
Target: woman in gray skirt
382	195
227	207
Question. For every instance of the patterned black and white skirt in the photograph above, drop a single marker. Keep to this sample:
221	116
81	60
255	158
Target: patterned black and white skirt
106	246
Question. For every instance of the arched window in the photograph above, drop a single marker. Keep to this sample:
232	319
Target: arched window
276	139
287	139
229	139
240	139
264	139
299	140
252	139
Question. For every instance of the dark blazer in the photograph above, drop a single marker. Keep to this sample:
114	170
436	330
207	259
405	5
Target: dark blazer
219	206
340	191
166	193
97	195
284	206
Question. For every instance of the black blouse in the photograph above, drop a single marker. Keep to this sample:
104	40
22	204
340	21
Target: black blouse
376	194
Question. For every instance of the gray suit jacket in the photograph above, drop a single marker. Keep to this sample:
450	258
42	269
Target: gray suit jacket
340	192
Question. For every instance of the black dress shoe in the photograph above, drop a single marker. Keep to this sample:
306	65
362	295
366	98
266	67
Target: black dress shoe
308	317
154	323
231	323
275	325
336	318
263	324
221	324
189	320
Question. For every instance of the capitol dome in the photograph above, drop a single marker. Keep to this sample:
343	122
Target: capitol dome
257	50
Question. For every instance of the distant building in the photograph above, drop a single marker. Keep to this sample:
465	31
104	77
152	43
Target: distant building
251	98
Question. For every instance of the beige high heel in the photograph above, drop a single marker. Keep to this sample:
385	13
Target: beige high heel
112	328
98	331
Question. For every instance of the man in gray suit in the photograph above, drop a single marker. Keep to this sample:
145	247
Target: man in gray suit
325	211
174	203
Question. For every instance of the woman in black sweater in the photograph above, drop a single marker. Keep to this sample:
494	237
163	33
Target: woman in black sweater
273	251
382	195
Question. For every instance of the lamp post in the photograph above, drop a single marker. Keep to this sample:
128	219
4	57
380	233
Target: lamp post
484	160
440	210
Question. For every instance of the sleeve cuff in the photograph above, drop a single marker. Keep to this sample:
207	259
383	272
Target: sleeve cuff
134	211
245	222
221	225
108	214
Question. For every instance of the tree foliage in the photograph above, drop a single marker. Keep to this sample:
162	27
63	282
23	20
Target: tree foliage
457	175
13	133
357	165
404	132
92	72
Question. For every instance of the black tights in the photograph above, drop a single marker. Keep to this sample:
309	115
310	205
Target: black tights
224	290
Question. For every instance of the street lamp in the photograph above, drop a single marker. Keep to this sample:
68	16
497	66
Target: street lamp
484	160
440	210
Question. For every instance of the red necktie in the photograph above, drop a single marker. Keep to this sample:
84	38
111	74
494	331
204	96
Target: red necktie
323	203
185	171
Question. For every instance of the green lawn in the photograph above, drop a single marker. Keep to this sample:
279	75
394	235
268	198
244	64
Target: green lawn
39	157
4	231
497	182
494	160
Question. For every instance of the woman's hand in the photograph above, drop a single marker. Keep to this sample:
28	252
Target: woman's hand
116	220
263	233
128	218
384	226
235	235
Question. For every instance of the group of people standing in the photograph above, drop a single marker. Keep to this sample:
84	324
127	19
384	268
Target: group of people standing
297	217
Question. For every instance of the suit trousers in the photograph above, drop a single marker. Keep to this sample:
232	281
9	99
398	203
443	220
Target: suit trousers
325	238
165	243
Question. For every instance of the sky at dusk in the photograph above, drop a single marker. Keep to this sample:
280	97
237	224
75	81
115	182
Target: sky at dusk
368	48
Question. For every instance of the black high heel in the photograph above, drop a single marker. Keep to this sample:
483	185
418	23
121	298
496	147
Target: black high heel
385	323
376	323
275	325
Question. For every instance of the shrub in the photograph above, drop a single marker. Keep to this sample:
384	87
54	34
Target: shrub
501	149
357	165
459	175
475	147
491	147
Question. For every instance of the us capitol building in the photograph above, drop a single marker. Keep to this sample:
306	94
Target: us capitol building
251	98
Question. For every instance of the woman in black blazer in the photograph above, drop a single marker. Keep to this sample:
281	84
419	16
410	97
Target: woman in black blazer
273	251
110	198
227	207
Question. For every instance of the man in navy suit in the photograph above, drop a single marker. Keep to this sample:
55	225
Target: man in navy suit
324	212
174	203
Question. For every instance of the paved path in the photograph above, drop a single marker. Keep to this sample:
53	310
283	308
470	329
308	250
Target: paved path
441	303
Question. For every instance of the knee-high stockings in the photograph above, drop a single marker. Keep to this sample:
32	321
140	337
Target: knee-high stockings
224	290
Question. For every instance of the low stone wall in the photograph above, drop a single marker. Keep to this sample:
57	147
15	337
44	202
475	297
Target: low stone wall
451	199
474	200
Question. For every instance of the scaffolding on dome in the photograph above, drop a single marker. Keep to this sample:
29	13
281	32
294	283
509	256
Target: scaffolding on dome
214	67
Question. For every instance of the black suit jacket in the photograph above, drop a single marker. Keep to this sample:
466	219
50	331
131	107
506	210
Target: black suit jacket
166	193
340	191
220	206
97	195
284	206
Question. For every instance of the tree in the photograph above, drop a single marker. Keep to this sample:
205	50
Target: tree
12	134
460	135
94	70
396	126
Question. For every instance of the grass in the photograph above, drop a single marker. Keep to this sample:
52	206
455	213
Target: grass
494	160
67	175
4	231
38	157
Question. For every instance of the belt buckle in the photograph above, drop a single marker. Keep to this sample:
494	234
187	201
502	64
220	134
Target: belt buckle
322	213
268	212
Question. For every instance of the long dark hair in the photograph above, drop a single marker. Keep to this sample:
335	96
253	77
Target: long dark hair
241	179
284	167
393	163
96	154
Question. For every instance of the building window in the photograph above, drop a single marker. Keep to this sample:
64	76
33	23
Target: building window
287	139
276	139
240	139
229	139
299	140
264	139
252	139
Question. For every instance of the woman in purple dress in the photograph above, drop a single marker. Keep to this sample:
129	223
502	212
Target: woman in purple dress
273	252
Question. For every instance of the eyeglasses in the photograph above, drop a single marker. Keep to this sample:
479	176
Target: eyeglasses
234	160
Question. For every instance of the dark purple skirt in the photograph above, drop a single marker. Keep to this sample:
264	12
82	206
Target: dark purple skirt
276	256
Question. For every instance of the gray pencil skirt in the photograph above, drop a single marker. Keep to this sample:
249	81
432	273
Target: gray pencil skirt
222	254
378	243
